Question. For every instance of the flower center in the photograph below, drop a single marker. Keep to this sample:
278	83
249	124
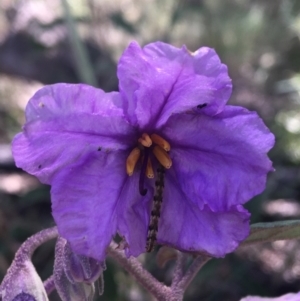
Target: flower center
151	147
147	146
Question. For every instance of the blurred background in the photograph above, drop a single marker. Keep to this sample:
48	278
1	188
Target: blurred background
44	42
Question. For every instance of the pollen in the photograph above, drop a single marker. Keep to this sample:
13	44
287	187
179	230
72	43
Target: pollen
145	140
162	156
161	142
132	159
149	170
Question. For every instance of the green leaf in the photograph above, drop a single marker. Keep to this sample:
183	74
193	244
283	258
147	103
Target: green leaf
83	65
263	232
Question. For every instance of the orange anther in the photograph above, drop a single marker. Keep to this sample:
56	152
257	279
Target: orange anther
149	170
132	160
162	156
161	142
145	140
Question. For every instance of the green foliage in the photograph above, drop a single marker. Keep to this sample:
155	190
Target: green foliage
282	230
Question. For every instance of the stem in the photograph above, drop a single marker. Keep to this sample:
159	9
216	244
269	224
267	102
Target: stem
32	243
181	281
178	270
49	285
192	271
135	268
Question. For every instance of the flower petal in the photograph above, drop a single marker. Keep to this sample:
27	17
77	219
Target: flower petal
63	122
222	160
84	199
94	199
287	297
160	80
185	226
134	213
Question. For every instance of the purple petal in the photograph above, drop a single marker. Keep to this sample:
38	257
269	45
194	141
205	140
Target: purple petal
84	200
95	198
65	121
288	297
160	80
222	160
187	227
134	213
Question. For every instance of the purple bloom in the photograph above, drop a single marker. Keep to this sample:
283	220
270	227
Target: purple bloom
74	275
166	145
288	297
22	282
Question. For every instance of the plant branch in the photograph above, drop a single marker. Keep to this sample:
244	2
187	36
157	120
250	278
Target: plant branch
178	270
33	242
135	268
194	268
49	285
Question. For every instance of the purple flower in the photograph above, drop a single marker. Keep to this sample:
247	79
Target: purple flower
164	159
22	282
74	275
288	297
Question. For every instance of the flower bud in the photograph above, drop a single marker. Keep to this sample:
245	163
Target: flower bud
79	268
22	283
74	275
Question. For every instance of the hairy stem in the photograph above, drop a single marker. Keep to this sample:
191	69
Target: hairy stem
178	270
181	280
192	271
33	242
135	268
49	285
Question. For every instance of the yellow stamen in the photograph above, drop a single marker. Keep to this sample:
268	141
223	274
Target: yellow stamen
132	160
162	156
149	170
145	140
161	142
